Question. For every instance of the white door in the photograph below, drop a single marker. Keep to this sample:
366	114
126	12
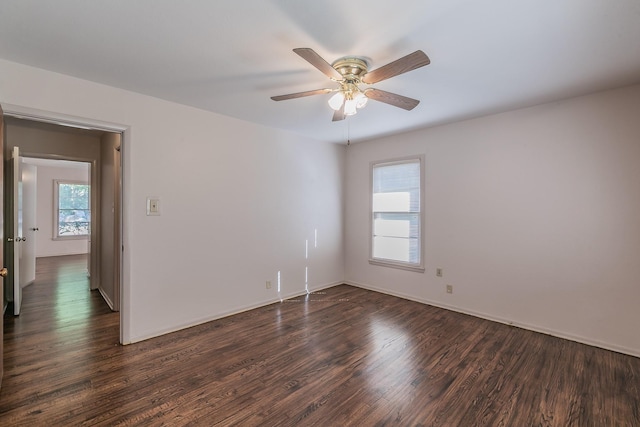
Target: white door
3	270
29	226
16	178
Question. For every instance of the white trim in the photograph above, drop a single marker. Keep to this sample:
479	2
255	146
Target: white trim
395	264
20	112
527	326
106	298
56	209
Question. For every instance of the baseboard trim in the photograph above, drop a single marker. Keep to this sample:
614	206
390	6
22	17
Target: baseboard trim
236	310
529	327
106	298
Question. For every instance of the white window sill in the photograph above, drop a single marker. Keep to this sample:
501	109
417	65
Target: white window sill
398	265
74	237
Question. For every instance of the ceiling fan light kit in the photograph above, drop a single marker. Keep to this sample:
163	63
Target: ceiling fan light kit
352	72
336	101
349	97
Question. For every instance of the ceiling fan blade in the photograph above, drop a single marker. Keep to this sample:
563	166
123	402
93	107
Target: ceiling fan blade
391	99
407	63
339	114
316	60
301	94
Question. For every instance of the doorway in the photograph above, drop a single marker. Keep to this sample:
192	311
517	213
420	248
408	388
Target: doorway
53	146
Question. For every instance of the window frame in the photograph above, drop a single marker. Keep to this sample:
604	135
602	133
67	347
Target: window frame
417	267
56	210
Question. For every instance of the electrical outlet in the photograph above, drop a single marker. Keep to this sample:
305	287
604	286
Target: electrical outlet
268	285
153	206
449	289
439	272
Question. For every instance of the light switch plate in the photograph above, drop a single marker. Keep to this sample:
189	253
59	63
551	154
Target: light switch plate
153	206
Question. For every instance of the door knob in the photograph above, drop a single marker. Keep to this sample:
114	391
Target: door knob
4	272
9	239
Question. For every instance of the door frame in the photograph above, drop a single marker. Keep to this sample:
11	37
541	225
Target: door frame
125	140
2	260
94	182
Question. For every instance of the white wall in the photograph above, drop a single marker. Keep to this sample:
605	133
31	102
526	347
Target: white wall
238	201
533	215
45	245
109	209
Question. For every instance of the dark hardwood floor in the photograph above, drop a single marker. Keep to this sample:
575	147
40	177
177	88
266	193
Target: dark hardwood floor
344	356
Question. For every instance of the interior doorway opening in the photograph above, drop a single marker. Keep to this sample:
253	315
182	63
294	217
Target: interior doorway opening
67	158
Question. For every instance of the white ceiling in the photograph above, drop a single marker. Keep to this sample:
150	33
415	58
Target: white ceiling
231	56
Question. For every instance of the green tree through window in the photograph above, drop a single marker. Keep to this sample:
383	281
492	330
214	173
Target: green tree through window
74	213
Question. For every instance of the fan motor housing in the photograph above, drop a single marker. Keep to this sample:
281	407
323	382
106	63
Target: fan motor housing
350	68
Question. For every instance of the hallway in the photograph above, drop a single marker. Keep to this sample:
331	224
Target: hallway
60	319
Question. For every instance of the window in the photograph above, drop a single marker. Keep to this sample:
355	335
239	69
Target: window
396	219
72	213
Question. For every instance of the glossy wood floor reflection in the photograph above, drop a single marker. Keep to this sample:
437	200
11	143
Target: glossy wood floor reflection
344	356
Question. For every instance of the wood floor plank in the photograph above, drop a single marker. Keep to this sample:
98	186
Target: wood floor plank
340	357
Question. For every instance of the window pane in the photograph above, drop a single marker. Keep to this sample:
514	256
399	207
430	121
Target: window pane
397	183
409	222
391	248
73	229
73	196
392	202
391	228
396	177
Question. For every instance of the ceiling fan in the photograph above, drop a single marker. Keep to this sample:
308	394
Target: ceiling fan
350	73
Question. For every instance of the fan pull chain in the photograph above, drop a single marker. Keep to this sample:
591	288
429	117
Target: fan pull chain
348	132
